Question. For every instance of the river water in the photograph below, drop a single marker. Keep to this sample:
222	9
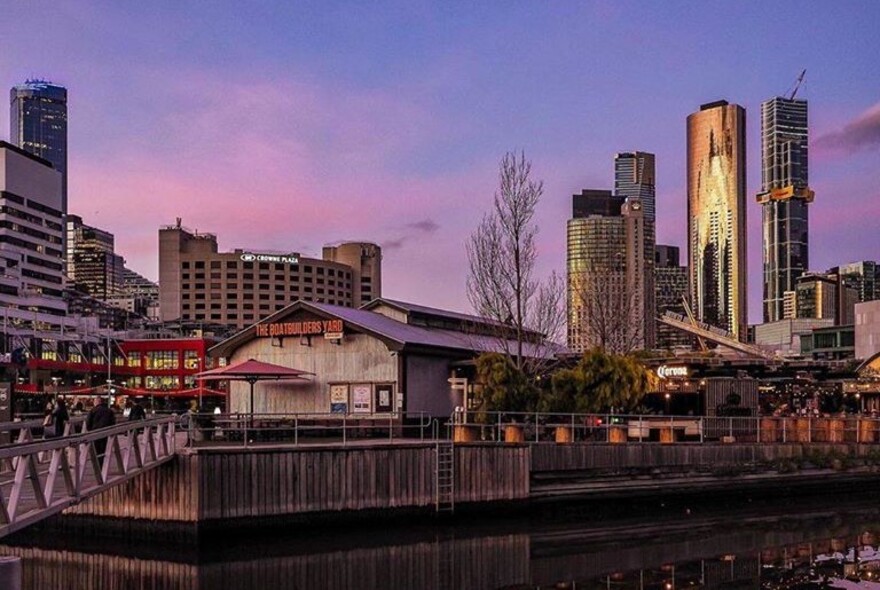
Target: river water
744	542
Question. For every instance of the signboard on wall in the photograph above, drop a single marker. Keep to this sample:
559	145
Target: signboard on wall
384	398
339	399
303	328
362	398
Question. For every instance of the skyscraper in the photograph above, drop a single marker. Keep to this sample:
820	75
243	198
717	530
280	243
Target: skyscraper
31	279
92	263
670	287
634	177
38	124
784	197
634	174
716	180
606	274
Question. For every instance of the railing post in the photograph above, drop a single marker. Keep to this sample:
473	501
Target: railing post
295	430
640	429
572	428
702	427
390	429
784	422
810	429
246	433
536	427
730	427
344	433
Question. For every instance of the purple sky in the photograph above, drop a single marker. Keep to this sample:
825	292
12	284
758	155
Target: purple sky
285	126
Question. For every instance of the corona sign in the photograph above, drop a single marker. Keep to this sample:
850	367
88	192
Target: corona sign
666	371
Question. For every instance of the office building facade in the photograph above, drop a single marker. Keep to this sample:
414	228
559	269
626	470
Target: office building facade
670	288
634	178
92	264
198	283
609	286
38	124
785	196
31	259
863	276
716	181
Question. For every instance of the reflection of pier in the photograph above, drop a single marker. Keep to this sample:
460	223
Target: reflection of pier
718	548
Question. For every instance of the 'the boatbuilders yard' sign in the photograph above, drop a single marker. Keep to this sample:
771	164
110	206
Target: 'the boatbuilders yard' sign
306	328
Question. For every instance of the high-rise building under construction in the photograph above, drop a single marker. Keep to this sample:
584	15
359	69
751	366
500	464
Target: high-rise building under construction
784	198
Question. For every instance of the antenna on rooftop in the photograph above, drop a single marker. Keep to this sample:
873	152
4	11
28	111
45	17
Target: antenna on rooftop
797	84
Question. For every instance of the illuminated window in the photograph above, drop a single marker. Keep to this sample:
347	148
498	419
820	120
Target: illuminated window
162	359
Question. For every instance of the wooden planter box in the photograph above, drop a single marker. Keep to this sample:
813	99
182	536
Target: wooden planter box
513	433
564	435
462	433
821	430
617	434
801	430
836	430
771	430
867	431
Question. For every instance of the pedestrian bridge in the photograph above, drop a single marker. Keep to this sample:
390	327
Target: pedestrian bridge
39	478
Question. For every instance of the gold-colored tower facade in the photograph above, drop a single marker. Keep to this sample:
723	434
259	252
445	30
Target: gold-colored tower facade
716	177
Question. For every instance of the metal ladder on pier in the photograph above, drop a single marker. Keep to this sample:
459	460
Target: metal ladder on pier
444	477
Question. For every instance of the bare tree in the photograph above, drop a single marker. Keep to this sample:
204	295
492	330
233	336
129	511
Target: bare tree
501	254
606	311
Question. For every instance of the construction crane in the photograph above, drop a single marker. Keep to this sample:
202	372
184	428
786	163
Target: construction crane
797	84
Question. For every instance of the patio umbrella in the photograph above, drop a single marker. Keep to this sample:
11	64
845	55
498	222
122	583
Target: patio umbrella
252	371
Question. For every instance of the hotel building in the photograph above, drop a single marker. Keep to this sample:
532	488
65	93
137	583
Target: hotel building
198	283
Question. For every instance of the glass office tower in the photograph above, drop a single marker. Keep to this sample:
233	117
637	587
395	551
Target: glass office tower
716	177
784	197
38	124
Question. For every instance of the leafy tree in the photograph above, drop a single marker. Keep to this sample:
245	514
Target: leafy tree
599	382
504	387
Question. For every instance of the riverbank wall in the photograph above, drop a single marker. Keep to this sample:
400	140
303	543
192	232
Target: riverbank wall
217	487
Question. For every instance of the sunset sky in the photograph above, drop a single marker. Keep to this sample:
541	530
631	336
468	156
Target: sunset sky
288	125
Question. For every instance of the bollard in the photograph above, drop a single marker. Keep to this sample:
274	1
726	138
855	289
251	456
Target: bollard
10	573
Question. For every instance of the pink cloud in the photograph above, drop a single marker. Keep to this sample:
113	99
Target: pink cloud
860	134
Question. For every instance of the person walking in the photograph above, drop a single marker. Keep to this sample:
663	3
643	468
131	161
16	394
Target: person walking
137	412
99	417
60	417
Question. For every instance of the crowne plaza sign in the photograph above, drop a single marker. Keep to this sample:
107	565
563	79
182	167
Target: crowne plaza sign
304	328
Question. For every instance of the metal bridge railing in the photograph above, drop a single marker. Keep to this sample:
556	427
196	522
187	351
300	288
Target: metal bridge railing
205	429
38	479
620	428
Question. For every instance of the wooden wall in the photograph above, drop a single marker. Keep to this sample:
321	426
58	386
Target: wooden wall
164	493
359	358
228	484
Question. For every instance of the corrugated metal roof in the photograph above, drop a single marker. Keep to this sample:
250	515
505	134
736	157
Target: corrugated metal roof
405	334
